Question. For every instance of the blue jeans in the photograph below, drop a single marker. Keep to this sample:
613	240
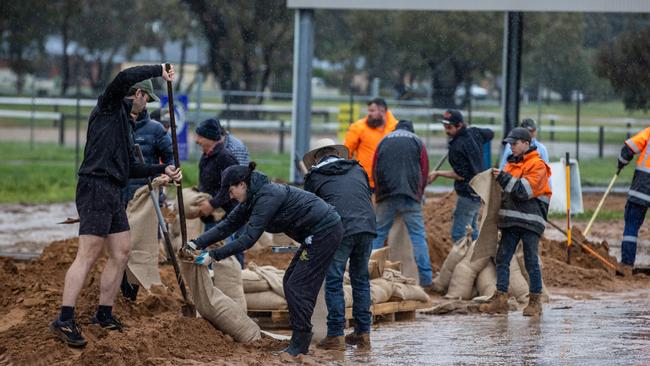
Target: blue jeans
357	248
240	255
411	211
634	217
466	213
509	239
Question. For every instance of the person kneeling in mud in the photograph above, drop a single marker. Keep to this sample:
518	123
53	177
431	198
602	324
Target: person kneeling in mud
522	216
276	208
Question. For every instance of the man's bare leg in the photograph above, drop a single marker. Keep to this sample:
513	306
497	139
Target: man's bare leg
119	248
90	248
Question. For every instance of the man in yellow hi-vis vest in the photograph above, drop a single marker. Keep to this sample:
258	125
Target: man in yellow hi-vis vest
638	199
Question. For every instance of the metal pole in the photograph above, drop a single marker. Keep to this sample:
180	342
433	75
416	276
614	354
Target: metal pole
578	94
281	147
601	141
32	119
552	130
303	53
568	207
512	35
62	130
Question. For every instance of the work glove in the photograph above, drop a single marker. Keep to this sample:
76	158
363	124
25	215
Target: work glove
203	259
189	251
621	165
192	245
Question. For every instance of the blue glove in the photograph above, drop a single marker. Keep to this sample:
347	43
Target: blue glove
203	259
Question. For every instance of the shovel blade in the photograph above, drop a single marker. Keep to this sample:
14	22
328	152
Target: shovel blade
188	310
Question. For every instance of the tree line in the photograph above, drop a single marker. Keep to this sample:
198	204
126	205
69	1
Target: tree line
249	46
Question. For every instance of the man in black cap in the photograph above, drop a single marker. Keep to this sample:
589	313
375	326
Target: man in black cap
522	217
466	160
109	162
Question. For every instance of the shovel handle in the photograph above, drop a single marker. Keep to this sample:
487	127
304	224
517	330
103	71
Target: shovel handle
600	204
177	160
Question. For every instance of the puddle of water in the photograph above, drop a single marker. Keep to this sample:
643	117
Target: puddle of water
28	228
612	330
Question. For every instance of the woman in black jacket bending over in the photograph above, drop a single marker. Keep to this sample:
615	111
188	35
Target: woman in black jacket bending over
265	206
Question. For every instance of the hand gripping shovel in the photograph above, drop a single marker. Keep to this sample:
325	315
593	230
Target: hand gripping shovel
188	309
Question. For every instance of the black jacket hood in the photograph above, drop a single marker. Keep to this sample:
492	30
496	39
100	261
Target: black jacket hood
338	167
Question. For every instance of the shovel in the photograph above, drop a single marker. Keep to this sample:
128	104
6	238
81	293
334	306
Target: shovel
600	204
177	161
589	250
188	309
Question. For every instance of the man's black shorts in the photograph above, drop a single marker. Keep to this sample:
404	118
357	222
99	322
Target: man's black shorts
100	207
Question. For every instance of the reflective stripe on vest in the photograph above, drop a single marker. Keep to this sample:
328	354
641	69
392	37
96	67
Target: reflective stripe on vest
522	216
527	187
510	184
630	143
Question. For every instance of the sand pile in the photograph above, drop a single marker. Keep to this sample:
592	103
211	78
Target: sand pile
155	333
437	224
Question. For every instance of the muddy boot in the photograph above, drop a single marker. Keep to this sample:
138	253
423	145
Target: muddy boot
626	270
498	304
361	340
335	343
299	343
534	307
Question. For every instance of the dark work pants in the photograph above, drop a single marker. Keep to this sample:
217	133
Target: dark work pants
303	279
634	217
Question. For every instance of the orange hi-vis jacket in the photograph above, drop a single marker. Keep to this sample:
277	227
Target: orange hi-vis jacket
362	141
638	144
526	192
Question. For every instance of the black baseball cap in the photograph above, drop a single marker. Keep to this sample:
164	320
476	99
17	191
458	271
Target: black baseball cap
517	133
452	117
233	174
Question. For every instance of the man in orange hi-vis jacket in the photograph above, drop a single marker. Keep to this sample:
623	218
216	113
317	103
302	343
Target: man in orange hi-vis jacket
638	199
522	217
364	135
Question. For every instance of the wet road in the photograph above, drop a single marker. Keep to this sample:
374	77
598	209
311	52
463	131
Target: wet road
29	228
612	330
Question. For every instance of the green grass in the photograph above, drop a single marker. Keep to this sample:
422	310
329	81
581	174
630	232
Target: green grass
46	173
599	172
35	182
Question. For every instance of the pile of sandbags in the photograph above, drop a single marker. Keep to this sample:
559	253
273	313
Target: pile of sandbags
263	289
462	278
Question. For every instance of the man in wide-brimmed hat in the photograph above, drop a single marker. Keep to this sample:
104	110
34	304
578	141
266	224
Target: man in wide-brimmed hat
344	184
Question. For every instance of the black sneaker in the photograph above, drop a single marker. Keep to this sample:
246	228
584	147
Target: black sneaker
69	332
110	323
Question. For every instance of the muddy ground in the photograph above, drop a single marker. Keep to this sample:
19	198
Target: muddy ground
157	334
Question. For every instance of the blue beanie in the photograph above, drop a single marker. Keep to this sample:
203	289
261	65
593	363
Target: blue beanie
210	129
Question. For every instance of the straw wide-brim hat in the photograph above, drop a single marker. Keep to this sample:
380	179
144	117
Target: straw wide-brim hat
310	157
